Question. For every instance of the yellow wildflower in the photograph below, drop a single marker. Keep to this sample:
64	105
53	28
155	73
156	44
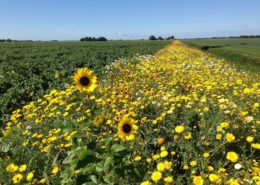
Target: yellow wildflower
210	168
219	136
167	165
187	135
256	146
232	156
137	158
160	167
11	168
146	183
55	170
22	168
168	179
214	178
250	139
17	178
42	181
198	180
230	137
156	176
206	155
163	153
179	129
232	181
193	163
29	176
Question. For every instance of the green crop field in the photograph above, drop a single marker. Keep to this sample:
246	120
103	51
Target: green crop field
28	70
243	52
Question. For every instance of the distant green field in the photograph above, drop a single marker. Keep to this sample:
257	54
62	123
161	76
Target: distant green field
245	53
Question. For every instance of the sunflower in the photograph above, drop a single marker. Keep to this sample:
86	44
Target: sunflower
126	129
85	80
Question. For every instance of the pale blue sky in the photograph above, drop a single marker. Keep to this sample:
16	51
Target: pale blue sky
127	19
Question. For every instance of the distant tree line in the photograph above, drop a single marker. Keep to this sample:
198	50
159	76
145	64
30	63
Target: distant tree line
248	36
10	40
93	39
152	37
5	40
232	37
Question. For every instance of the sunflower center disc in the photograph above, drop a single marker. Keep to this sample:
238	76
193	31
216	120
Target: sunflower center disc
84	81
127	128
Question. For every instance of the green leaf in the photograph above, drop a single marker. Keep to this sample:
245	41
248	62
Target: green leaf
109	162
55	159
109	178
118	147
94	178
137	172
99	168
80	152
68	159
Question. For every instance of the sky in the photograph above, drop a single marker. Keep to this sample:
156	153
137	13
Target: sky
127	19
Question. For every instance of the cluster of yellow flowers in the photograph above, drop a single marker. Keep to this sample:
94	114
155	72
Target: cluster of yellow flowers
18	173
12	168
190	117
